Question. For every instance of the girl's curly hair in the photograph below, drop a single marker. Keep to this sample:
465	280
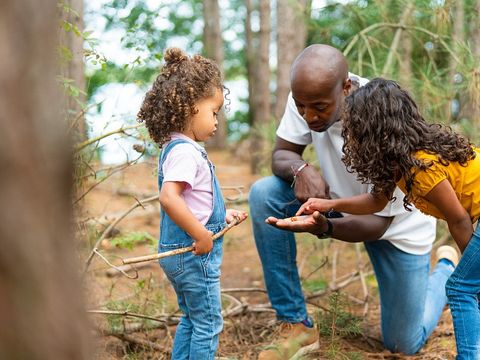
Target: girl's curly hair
170	103
383	129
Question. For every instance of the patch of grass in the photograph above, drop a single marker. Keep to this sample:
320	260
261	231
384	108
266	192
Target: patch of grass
313	285
130	240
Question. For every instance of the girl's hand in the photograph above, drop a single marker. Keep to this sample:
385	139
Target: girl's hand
232	214
315	204
203	243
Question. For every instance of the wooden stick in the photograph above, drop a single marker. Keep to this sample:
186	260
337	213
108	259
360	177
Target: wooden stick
165	254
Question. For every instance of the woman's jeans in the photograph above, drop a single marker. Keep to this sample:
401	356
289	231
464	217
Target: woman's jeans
411	299
463	289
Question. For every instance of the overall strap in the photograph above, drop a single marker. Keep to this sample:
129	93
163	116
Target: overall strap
169	148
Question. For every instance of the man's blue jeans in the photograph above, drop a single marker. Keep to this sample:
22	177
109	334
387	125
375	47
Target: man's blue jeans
463	289
411	299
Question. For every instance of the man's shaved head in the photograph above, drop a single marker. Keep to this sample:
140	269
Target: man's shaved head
319	65
319	82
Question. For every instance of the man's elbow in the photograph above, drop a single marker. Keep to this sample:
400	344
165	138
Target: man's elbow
378	226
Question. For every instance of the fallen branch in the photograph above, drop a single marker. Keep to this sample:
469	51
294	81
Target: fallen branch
111	272
142	342
165	254
126	313
107	230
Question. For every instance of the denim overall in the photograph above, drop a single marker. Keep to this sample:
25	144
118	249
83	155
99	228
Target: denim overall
196	279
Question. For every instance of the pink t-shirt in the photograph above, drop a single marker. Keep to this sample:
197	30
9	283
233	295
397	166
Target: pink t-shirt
186	164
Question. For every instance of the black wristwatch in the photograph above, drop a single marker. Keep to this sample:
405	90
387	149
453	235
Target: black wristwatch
328	232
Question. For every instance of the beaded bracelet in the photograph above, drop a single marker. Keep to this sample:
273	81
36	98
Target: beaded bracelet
296	172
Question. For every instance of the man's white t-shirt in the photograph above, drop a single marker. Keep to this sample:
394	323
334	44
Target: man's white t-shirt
410	231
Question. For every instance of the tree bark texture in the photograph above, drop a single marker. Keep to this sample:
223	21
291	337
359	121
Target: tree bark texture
41	308
213	49
261	89
292	17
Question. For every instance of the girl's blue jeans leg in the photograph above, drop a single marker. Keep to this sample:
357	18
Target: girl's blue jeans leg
277	249
199	298
411	300
463	289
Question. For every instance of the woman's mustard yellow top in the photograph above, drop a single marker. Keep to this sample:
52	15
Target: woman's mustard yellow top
465	181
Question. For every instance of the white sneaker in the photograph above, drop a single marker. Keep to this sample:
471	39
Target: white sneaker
447	252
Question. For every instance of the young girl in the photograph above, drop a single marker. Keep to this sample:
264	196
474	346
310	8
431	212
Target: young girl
389	144
180	109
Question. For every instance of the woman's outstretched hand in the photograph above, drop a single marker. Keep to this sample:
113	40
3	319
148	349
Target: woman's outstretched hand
315	223
316	204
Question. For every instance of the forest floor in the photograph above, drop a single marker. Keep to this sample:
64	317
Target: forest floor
352	313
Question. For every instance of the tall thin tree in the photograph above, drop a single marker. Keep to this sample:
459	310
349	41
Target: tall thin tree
261	89
213	49
292	18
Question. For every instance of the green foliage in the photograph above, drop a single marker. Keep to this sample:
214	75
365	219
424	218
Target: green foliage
132	239
313	285
365	29
337	321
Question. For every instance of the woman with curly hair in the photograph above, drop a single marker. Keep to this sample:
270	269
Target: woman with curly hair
388	143
180	109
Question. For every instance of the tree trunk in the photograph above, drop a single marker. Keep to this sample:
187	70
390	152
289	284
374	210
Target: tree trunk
405	75
41	310
74	68
213	49
250	59
291	37
476	29
261	91
473	111
388	67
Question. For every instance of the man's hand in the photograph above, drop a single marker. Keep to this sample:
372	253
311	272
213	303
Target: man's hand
315	224
310	184
203	243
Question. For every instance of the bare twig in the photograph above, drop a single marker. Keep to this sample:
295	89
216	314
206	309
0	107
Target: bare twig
116	267
116	169
362	278
126	313
111	272
122	130
112	225
165	254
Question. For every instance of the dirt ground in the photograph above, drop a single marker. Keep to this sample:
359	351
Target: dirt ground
249	324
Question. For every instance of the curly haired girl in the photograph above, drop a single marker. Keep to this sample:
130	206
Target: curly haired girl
180	109
388	143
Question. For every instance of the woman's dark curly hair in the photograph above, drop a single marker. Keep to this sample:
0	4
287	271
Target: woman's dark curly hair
383	129
170	103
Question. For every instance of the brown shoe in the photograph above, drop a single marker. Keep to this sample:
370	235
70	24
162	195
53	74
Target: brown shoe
290	339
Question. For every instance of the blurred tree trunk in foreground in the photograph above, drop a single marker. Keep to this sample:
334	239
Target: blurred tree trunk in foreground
213	49
291	37
40	293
